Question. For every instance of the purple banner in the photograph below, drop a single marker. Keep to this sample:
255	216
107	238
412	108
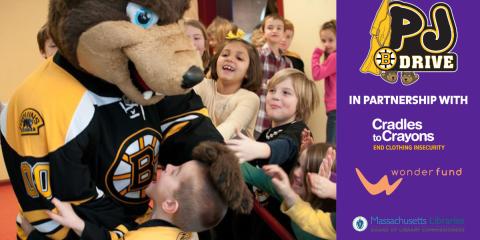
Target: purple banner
408	120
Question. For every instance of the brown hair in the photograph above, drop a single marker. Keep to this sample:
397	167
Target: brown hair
68	19
313	159
198	25
272	17
203	211
304	88
219	186
42	37
254	72
330	25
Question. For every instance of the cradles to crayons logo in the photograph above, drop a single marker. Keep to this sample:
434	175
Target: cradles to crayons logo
402	41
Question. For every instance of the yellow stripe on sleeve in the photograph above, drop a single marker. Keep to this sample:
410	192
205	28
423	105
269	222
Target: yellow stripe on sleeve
176	128
60	234
202	111
41	111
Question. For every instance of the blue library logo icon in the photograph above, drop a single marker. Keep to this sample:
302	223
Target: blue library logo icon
360	224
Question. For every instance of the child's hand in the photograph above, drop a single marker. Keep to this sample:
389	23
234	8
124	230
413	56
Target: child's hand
322	186
327	163
320	48
281	183
247	149
24	224
66	216
320	183
307	139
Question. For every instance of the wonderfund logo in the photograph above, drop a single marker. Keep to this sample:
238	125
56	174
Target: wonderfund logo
379	187
402	42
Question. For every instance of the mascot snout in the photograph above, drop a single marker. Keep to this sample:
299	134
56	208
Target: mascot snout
161	59
192	77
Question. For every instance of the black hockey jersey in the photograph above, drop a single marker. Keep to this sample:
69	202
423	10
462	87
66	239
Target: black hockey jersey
152	229
70	135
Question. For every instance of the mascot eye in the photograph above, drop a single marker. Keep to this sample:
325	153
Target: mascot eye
141	16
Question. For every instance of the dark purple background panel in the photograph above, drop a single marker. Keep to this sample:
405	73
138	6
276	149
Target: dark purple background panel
456	126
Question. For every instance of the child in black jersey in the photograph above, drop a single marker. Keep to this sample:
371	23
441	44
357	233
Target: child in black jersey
291	98
188	198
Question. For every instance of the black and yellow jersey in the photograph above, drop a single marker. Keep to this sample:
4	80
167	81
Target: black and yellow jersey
70	135
152	229
185	123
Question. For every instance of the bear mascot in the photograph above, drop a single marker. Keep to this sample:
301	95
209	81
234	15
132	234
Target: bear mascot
91	124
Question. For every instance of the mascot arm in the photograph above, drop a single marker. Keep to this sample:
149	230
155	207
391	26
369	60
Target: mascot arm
61	173
185	124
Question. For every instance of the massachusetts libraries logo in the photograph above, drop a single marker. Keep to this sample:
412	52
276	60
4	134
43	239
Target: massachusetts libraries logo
360	224
404	43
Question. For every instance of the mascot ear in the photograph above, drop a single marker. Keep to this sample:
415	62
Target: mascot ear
247	201
71	3
65	5
224	171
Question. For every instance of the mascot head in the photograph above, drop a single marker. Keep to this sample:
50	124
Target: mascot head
137	45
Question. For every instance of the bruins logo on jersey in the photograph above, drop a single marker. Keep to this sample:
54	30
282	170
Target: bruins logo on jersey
134	167
30	122
184	236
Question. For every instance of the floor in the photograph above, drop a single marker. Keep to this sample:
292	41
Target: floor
8	212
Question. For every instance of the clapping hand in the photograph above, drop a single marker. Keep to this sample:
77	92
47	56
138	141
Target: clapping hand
320	183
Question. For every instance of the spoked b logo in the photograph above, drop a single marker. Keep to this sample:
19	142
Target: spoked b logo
360	224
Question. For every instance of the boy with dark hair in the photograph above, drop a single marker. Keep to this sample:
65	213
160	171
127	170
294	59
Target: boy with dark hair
45	43
285	44
273	60
188	198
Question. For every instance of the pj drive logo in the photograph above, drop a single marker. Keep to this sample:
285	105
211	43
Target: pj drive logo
404	41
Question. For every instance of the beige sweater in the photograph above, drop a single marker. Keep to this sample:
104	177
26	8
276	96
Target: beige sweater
229	112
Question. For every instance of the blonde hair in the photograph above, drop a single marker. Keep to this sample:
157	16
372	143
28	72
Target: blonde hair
257	38
304	88
218	30
288	25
